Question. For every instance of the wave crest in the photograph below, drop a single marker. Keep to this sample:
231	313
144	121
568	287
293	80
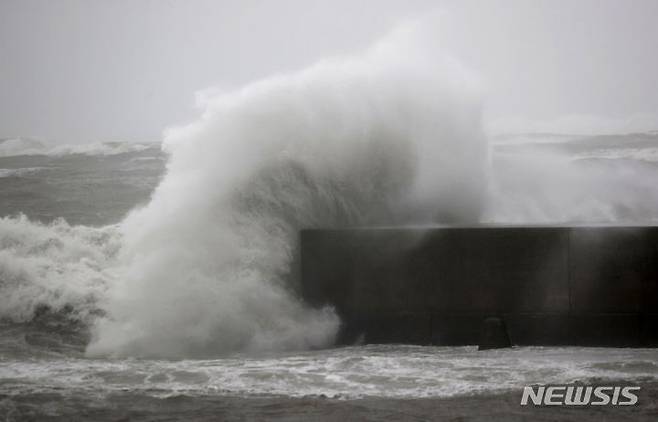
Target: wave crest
54	266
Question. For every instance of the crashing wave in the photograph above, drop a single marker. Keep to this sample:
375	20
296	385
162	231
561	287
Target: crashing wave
54	266
384	137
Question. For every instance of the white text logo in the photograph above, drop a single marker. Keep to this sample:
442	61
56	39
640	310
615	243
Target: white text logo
571	395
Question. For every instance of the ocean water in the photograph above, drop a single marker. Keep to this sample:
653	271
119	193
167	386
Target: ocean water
90	187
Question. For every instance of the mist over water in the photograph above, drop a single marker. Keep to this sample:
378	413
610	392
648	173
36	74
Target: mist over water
205	267
575	180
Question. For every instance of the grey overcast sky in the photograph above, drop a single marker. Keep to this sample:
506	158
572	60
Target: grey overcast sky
90	70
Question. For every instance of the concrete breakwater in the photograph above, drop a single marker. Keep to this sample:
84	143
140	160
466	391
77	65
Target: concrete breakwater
588	286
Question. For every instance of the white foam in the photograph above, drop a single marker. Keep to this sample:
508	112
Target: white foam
55	265
347	373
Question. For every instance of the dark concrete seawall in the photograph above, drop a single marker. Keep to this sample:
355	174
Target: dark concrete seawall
591	286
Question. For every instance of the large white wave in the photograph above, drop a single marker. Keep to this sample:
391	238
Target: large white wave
359	140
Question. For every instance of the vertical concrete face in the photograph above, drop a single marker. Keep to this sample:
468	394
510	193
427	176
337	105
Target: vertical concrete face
590	286
609	268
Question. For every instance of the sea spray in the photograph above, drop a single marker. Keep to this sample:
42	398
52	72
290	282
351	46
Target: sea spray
388	137
574	182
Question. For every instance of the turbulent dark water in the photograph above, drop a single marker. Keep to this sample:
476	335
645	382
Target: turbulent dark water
91	188
53	288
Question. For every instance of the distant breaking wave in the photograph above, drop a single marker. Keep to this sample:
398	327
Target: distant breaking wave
24	146
19	172
638	154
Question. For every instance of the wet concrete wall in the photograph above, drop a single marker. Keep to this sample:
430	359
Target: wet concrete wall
594	286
